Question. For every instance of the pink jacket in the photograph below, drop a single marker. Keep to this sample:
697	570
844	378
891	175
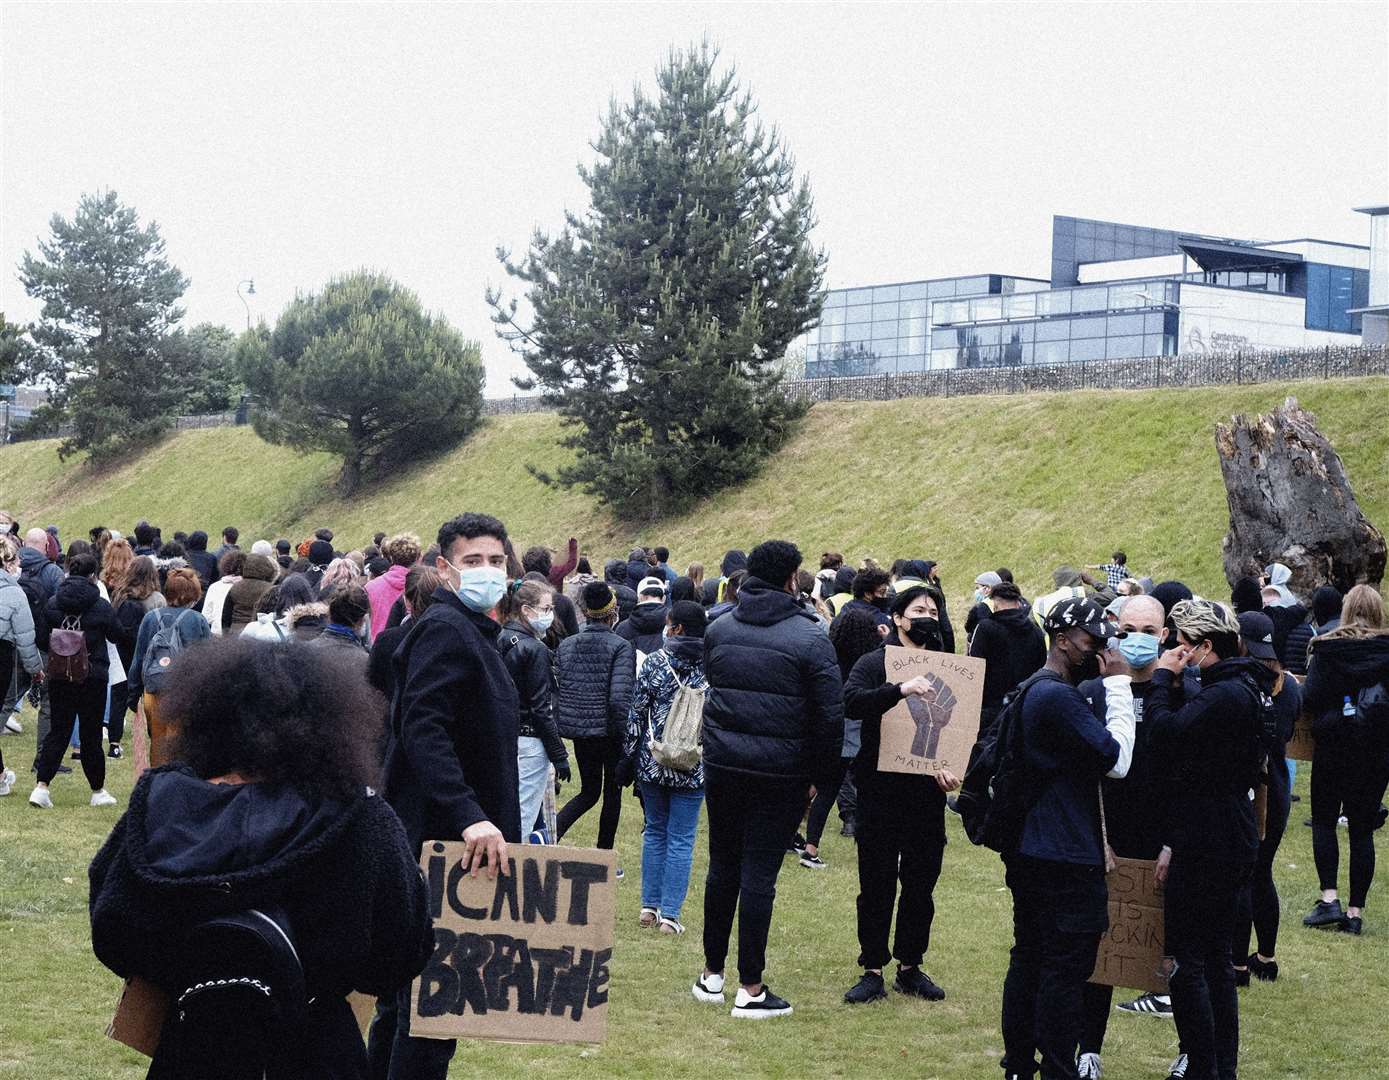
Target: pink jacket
383	592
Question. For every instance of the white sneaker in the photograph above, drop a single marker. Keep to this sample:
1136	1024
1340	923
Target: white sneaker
761	1007
13	726
1089	1067
39	797
7	779
709	989
103	798
1178	1070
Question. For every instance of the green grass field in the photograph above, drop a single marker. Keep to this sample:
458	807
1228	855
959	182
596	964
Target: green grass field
1322	1018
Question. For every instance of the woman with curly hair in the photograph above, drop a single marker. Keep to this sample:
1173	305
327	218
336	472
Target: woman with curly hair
266	806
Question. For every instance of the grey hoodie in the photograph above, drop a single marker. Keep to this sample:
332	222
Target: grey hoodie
16	622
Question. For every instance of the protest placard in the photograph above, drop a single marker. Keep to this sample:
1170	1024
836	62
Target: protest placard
1130	952
1302	744
139	1018
932	734
523	958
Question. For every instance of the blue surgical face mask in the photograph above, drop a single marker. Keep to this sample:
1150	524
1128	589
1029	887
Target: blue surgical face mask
543	621
480	587
979	596
1139	649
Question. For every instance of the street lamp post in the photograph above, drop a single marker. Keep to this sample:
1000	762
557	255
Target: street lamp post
250	291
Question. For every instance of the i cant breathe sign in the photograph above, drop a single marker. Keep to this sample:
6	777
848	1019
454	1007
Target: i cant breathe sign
523	958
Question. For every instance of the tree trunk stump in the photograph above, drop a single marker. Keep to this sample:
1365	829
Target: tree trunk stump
1290	502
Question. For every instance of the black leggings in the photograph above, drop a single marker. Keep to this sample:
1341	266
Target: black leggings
597	761
1258	904
1350	783
824	799
84	702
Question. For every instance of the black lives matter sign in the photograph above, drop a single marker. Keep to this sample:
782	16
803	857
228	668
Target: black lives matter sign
524	958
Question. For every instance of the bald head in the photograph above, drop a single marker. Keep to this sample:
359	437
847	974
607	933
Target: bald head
36	539
1142	615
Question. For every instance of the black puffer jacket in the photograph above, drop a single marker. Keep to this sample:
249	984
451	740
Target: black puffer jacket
1293	655
187	850
528	660
615	574
596	672
776	699
79	598
643	627
1340	667
1012	646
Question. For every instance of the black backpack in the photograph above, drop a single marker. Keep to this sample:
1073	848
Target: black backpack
998	788
1372	710
37	597
239	1002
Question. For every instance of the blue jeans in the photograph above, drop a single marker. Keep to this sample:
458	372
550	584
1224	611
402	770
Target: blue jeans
533	767
667	846
1292	772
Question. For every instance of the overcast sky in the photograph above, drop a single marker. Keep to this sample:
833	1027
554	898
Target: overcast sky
290	142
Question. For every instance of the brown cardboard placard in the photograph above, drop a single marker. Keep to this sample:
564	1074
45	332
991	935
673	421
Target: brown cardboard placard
1302	744
934	734
1130	952
139	1018
523	958
363	1009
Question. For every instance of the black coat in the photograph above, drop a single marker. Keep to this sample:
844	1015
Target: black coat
1293	655
380	670
643	627
596	670
80	598
528	660
776	700
1339	668
204	564
1012	646
451	756
187	850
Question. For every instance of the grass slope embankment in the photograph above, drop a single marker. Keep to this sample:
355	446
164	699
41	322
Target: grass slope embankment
976	483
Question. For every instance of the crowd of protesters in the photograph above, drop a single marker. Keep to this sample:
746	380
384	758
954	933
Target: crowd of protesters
355	703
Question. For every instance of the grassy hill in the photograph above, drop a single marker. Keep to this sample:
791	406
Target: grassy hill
1027	482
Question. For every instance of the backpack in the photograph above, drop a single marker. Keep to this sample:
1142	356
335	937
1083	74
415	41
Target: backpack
1372	709
998	789
67	652
678	748
37	597
164	646
239	1002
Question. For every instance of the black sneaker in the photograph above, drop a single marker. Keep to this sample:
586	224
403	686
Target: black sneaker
1294	798
812	862
1178	1069
762	1007
1351	925
1148	1005
1263	970
847	829
1326	913
1242	976
114	750
916	983
797	844
869	988
952	804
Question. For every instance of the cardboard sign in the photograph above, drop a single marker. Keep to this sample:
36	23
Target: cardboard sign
523	958
932	734
1130	952
1302	744
139	1018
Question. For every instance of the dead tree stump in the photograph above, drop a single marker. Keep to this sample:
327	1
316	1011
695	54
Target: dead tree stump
1290	502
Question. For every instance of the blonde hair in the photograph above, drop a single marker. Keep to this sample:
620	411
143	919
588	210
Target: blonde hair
9	552
695	572
1362	615
1197	620
115	565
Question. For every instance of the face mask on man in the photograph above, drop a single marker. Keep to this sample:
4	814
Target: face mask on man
925	631
480	587
1139	649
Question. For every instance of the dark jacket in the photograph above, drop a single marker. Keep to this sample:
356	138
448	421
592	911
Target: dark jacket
776	700
1339	668
191	627
204	564
187	850
596	670
1132	806
615	574
886	797
1293	655
1213	742
79	598
643	627
37	565
380	671
257	577
528	660
1012	646
1285	619
451	757
637	570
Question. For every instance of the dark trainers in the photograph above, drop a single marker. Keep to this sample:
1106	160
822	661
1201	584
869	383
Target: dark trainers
1263	970
1326	913
764	1006
1178	1069
916	983
1148	1005
114	750
797	844
1242	976
1351	925
869	988
812	862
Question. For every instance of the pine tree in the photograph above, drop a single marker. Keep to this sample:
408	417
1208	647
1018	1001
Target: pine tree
109	296
658	318
361	370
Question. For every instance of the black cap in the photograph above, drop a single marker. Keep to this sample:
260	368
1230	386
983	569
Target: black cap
1081	614
1256	629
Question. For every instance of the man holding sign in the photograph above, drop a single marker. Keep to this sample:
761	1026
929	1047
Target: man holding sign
901	812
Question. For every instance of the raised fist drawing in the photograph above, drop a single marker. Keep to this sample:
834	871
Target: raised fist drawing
931	712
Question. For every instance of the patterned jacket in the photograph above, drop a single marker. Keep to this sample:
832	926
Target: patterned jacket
651	701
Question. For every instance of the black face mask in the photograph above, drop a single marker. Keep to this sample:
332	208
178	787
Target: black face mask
925	632
882	603
1089	666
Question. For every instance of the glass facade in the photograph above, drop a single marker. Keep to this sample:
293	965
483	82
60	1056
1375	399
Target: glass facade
1081	240
1330	291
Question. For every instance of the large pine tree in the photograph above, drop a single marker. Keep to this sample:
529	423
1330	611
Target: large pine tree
657	318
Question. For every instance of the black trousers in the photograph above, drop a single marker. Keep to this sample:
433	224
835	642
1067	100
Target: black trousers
84	702
751	823
1348	780
1200	900
115	714
597	762
898	840
820	806
1257	913
1060	910
394	1054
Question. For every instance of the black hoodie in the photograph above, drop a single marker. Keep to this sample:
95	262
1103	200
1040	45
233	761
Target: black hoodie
1013	647
79	598
643	627
1337	668
187	850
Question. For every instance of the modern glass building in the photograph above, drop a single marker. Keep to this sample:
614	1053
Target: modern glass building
1117	292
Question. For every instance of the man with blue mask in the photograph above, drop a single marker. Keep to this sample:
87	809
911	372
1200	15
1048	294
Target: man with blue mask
451	760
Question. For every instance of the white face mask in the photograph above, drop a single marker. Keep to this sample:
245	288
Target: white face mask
542	621
480	587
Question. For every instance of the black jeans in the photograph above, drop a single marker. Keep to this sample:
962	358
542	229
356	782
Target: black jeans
1060	910
896	841
84	702
115	714
1200	899
751	823
1350	783
1257	913
824	799
392	1054
597	761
